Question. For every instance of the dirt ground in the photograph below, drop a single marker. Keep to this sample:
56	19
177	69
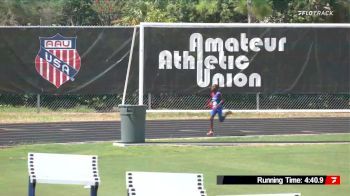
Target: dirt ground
25	117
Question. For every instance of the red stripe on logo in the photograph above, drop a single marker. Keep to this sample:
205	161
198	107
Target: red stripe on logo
37	64
57	84
77	60
58	73
71	56
64	58
44	69
51	70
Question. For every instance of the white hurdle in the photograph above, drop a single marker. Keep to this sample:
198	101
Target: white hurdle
160	184
63	169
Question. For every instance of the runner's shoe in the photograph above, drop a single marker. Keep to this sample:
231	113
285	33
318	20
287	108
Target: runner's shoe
210	133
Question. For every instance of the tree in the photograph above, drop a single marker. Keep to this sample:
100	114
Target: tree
132	12
207	11
227	13
78	12
7	16
287	11
25	12
181	10
256	10
341	11
138	11
108	10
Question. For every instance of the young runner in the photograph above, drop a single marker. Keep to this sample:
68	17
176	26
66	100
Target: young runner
216	105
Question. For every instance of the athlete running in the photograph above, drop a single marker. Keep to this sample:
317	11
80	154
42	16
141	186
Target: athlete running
216	105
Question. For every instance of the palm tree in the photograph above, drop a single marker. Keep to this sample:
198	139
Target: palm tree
256	10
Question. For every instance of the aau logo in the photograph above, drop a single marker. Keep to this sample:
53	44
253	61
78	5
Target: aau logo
58	60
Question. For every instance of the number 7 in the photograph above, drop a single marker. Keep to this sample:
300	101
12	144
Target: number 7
334	179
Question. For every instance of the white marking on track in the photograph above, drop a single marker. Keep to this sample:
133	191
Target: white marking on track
193	131
70	130
308	131
11	129
249	131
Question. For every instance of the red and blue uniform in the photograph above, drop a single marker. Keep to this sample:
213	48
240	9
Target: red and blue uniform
215	107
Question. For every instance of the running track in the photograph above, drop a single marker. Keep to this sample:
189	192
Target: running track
63	132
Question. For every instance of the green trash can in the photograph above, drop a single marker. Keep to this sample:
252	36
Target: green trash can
133	123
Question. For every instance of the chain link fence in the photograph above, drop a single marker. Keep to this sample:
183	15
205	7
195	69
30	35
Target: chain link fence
109	103
253	101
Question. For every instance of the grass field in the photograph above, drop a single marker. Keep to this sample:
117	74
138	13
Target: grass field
320	159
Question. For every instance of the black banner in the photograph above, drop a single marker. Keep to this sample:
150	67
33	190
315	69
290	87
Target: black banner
187	60
69	60
279	180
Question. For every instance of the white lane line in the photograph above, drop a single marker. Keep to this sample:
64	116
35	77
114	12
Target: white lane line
191	131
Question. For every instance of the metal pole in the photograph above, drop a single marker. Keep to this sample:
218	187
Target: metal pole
249	7
141	64
31	188
129	65
93	190
257	101
38	103
149	101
